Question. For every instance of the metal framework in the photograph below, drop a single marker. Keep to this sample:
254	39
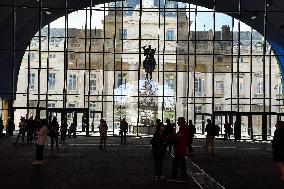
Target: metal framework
106	57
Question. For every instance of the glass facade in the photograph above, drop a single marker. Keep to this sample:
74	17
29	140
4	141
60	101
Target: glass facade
215	68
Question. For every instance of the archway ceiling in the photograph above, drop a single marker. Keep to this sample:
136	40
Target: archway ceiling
27	20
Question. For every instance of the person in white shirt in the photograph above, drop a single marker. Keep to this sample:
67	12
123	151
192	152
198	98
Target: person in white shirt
41	140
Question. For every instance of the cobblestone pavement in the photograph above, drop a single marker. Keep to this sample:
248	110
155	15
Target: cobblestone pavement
80	164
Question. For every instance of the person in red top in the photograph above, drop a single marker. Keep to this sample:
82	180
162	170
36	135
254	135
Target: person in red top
180	149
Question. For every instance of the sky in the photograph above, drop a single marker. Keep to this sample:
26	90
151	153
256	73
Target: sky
204	20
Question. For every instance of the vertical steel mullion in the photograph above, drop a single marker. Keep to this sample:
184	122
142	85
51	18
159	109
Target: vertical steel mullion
195	63
114	68
85	56
103	100
239	54
90	54
122	39
47	70
164	50
176	83
188	71
232	65
139	68
13	95
251	63
65	59
264	55
39	57
29	73
213	63
158	64
270	89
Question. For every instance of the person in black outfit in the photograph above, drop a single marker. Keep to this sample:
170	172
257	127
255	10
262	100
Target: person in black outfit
158	149
123	130
227	127
63	131
191	132
210	137
278	147
169	135
1	127
54	132
30	130
22	130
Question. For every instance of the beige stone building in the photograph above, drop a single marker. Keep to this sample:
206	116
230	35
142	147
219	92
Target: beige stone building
102	71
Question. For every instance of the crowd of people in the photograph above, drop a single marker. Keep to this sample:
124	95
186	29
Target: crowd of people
165	138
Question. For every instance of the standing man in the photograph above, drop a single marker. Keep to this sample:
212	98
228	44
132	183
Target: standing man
227	127
210	137
191	132
123	130
103	133
180	150
54	132
169	135
22	130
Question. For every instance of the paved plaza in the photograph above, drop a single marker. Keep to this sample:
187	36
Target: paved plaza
81	164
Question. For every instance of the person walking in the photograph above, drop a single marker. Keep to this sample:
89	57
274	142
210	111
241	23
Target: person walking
191	132
158	150
41	132
227	127
180	150
210	137
278	148
22	130
103	133
169	135
123	130
54	132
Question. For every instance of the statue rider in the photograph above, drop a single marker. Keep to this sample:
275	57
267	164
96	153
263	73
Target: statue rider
149	63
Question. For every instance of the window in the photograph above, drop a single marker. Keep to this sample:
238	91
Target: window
218	108
32	81
198	109
170	80
219	87
259	86
51	81
72	84
51	105
93	83
241	87
92	108
51	55
198	86
122	33
170	35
